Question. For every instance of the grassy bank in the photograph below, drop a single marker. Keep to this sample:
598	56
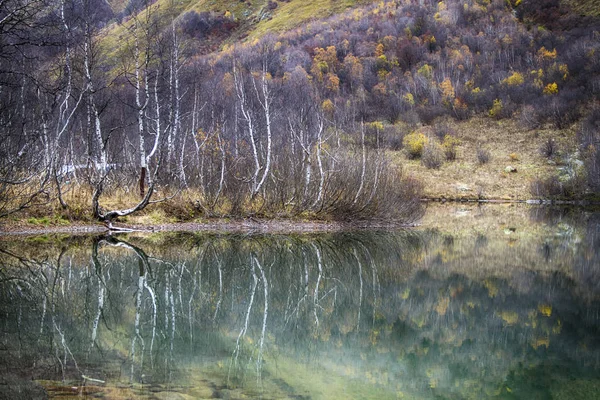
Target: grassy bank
509	145
182	212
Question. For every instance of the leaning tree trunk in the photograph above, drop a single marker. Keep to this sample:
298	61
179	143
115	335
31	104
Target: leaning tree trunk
108	217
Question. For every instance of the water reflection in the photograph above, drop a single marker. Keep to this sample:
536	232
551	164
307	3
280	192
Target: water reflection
342	315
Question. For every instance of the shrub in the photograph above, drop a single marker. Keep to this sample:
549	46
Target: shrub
449	145
483	156
414	143
441	130
564	113
589	133
460	110
496	110
589	139
427	114
529	117
410	118
549	148
204	23
561	109
514	80
433	155
551	88
393	136
592	164
547	188
570	182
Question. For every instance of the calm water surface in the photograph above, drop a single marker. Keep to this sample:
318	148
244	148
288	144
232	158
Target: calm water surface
488	305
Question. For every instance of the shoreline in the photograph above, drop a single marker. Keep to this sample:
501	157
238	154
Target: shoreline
253	225
542	202
217	226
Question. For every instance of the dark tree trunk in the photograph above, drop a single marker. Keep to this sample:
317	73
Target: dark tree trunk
143	182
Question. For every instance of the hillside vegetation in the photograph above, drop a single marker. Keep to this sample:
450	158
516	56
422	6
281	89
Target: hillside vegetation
299	109
523	77
225	21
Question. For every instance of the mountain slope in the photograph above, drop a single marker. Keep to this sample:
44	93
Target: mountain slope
402	66
245	20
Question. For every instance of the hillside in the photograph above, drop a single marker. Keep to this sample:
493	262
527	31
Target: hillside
516	160
585	7
515	141
225	21
328	110
255	18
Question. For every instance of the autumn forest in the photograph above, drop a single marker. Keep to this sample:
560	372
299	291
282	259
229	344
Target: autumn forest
104	114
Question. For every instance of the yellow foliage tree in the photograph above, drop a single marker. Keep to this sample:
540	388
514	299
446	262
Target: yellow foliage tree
354	68
382	62
409	99
449	144
447	90
426	71
324	61
328	107
515	79
376	125
551	88
564	70
332	83
544	54
496	108
414	143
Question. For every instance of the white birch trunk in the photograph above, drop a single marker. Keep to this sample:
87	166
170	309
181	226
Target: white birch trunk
320	164
266	105
141	108
364	164
99	158
246	113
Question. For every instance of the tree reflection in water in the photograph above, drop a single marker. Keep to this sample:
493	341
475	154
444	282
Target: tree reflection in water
330	315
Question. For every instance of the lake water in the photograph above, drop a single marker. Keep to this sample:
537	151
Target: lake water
479	303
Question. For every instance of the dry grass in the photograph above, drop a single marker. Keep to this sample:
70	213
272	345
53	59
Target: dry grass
254	18
509	145
79	210
585	7
292	14
117	5
174	207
